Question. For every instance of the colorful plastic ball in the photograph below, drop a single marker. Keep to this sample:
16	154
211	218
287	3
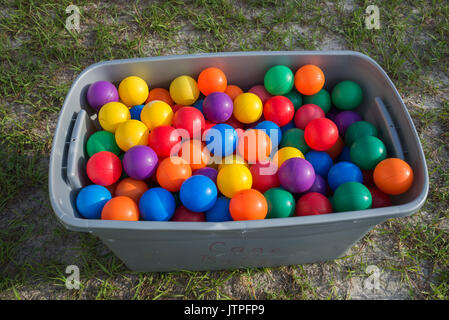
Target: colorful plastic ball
221	139
104	168
344	119
279	109
296	175
393	176
352	196
248	108
319	185
172	172
120	208
264	175
309	79
320	161
345	155
232	159
254	145
248	204
313	203
131	188
368	179
380	199
176	107
294	137
112	114
131	133
336	150
160	94
165	141
279	80
102	141
233	122
321	134
198	193
199	104
218	107
281	203
157	204
286	153
366	152
207	126
347	95
191	120
260	91
295	97
100	93
343	172
322	99
332	113
212	80
209	172
232	178
91	200
184	214
133	91
111	188
359	129
184	90
307	113
219	211
271	129
233	91
156	113
140	162
195	153
136	111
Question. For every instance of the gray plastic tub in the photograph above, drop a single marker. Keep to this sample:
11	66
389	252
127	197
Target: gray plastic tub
166	246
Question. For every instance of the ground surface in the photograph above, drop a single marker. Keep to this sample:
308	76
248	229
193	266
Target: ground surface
40	59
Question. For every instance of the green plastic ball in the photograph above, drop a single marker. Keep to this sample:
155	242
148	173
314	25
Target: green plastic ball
294	137
359	129
347	95
366	152
281	203
296	98
102	141
124	174
352	196
321	99
279	80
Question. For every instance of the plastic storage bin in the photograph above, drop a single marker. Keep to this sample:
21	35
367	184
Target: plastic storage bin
166	246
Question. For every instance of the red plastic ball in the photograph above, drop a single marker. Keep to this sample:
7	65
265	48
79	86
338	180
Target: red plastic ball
321	134
368	179
279	109
176	107
307	113
313	203
264	176
190	119
233	122
184	214
380	199
104	168
164	140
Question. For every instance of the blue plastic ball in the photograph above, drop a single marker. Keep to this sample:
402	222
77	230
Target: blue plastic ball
344	155
271	129
342	172
199	105
288	126
157	204
135	112
220	211
91	200
198	193
320	161
221	139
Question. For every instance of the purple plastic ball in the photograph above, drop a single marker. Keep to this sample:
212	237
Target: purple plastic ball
319	185
296	175
208	172
100	93
333	112
140	162
218	107
344	119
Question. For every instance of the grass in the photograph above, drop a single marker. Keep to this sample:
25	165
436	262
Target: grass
39	59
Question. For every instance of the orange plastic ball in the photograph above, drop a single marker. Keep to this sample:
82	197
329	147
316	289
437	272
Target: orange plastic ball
212	80
248	204
336	149
131	188
393	176
309	79
172	172
120	208
233	91
195	153
254	145
160	94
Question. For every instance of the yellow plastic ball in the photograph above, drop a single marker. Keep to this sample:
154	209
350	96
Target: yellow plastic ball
184	90
232	178
248	108
286	153
156	113
131	133
232	159
112	114
133	91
